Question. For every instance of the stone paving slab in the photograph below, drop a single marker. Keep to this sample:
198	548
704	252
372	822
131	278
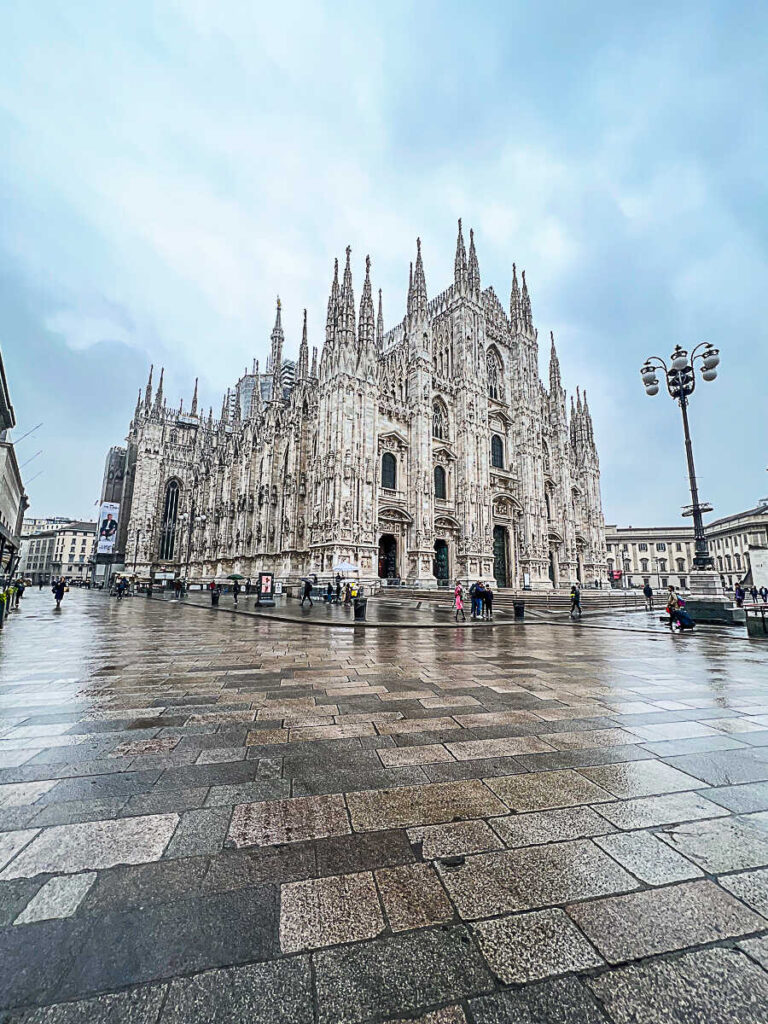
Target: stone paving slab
358	796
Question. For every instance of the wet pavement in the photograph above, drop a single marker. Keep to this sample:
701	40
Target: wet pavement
207	817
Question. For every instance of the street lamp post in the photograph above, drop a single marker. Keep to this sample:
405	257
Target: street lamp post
680	378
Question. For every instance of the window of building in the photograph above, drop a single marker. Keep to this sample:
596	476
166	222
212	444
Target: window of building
643	565
627	565
661	546
678	547
439	421
440	489
389	471
681	565
737	560
497	452
683	582
609	547
662	565
642	547
664	581
170	516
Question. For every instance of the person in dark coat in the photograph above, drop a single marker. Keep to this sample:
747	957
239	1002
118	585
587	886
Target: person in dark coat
307	593
236	591
487	602
575	600
58	589
648	594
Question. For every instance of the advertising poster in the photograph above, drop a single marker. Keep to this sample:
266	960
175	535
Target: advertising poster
107	535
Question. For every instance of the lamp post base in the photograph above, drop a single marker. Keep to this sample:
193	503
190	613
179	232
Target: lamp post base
708	601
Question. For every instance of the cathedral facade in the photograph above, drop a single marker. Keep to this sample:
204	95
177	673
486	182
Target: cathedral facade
426	453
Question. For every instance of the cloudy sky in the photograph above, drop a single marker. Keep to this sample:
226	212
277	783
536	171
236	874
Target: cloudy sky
169	167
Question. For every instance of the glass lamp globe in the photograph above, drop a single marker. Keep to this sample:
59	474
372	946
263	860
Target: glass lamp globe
648	374
709	374
679	359
711	359
652	389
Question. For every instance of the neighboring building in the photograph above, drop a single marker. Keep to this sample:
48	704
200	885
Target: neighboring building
429	452
658	555
13	500
37	525
73	551
37	555
739	542
662	555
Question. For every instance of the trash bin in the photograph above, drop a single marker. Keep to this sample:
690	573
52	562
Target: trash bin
519	607
214	598
360	605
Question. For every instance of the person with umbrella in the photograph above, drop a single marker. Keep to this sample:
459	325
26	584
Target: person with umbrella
236	577
307	592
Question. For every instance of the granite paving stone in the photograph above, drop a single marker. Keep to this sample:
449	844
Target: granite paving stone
751	887
641	778
429	753
757	949
532	877
59	897
362	851
712	986
279	992
14	896
422	805
129	947
19	793
661	920
587	738
445	1015
69	849
648	858
327	911
459	837
199	831
544	790
742	799
723	767
733	844
469	750
413	897
527	947
556	1001
647	811
288	821
395	976
137	1006
11	843
134	885
240	869
550	826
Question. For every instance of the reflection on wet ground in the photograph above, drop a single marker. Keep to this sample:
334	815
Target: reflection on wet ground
217	817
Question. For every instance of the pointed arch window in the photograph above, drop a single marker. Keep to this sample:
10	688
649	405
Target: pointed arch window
440	488
439	421
497	452
494	371
170	519
389	471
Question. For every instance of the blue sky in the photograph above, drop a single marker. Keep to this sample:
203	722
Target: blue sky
169	167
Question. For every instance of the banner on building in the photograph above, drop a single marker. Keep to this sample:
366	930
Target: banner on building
108	516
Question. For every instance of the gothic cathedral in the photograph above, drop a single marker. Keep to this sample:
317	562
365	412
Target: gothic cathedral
427	453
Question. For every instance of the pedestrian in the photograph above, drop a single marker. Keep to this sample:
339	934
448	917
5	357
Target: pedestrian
764	594
248	587
648	594
307	593
348	594
236	591
338	589
575	600
488	601
458	601
753	593
739	595
673	604
177	588
58	590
